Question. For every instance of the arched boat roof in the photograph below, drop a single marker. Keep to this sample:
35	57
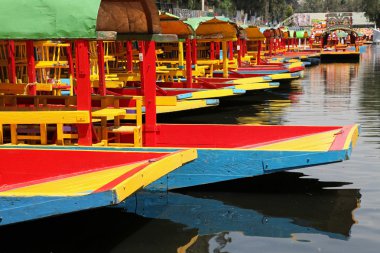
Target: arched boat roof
171	24
213	28
253	33
73	19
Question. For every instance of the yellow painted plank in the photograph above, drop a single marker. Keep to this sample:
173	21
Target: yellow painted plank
44	117
75	185
51	64
315	142
153	172
213	93
184	105
352	137
282	76
255	86
109	112
44	87
249	80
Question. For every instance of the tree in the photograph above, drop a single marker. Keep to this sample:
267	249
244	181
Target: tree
372	9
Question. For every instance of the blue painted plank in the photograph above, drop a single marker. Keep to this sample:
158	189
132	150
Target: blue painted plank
19	209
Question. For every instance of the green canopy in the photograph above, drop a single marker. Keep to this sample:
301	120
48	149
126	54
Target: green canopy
48	19
342	34
195	22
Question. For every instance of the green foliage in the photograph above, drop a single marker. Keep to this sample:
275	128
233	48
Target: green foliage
277	10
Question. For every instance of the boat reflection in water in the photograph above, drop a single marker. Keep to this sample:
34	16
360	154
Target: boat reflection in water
279	205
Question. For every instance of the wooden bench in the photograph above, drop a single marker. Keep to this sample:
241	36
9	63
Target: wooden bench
117	114
41	118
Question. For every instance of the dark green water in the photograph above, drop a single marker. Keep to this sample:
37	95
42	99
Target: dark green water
331	208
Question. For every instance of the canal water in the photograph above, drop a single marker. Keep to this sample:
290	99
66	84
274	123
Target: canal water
330	208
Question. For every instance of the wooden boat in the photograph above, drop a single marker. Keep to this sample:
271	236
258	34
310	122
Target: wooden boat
49	181
263	70
336	47
99	124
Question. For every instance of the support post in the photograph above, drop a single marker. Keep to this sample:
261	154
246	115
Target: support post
217	50
287	41
225	59
101	71
194	51
239	50
71	68
270	46
31	68
212	50
148	82
180	55
230	50
129	56
189	72
258	60
83	90
11	62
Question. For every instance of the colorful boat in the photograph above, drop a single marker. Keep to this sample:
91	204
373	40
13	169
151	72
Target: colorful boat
97	127
263	70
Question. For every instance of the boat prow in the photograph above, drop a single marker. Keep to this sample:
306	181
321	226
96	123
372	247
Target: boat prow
41	182
227	152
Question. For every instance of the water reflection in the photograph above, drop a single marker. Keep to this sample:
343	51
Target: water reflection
338	76
196	220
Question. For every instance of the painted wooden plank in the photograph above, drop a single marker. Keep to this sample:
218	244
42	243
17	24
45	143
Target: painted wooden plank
188	105
212	93
255	86
44	117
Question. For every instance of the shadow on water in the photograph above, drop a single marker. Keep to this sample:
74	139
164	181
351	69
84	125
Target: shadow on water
277	206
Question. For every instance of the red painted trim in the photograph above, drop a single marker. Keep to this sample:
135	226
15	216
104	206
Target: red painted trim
48	164
148	83
341	138
229	136
102	75
11	62
83	90
120	179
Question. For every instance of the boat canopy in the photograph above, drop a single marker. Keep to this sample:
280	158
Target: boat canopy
213	28
171	24
73	19
341	29
254	33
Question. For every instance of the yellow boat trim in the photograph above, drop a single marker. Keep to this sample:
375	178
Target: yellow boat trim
213	93
315	142
153	172
250	80
352	137
72	186
255	86
184	105
85	184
